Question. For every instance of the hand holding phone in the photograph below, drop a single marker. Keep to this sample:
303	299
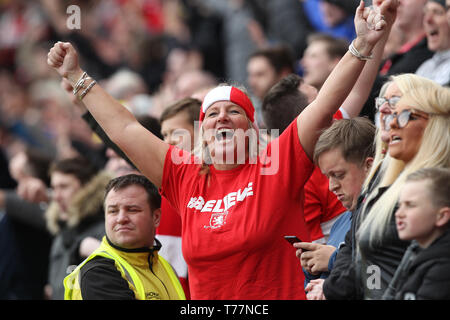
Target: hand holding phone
292	239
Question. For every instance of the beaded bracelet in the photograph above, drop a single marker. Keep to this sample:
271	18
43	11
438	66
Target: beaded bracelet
356	53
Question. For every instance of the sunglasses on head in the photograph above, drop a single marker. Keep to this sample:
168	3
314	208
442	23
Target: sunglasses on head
379	101
403	118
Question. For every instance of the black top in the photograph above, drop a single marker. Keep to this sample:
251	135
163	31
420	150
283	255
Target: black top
100	280
365	273
427	275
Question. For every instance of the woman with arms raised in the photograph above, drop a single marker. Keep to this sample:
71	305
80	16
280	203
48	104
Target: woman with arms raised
235	206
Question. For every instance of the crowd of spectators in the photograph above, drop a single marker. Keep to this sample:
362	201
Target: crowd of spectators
149	54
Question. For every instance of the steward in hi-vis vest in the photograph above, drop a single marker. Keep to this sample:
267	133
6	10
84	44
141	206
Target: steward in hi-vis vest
111	272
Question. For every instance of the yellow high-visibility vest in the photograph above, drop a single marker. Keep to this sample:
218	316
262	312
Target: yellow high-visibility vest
72	284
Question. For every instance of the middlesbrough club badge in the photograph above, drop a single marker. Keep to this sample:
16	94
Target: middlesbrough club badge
217	220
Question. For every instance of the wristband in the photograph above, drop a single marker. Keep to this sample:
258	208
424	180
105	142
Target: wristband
80	83
87	89
356	53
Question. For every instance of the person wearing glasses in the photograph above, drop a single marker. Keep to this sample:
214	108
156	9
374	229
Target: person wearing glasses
385	104
234	212
418	127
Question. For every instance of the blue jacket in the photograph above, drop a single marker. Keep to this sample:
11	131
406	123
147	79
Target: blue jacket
346	29
337	237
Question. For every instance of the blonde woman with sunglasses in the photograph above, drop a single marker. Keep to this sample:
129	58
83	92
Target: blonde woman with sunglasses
419	137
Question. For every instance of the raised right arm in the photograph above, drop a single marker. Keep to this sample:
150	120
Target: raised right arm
144	149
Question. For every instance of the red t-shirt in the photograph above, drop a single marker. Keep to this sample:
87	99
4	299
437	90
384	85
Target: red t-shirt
169	234
233	222
321	205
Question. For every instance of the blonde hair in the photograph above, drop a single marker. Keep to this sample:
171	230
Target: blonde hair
434	151
381	159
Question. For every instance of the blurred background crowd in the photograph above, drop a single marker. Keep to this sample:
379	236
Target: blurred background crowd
147	53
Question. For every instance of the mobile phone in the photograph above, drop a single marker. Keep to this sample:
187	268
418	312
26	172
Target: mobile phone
292	239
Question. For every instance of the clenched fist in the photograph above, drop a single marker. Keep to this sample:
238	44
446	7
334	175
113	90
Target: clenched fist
372	23
64	59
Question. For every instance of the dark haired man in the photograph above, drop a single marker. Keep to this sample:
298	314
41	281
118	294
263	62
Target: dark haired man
320	57
127	265
73	217
344	153
264	69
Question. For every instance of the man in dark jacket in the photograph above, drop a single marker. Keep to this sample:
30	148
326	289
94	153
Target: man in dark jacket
74	217
127	265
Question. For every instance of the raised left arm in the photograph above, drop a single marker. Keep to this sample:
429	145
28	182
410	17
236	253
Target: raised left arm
355	101
370	27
